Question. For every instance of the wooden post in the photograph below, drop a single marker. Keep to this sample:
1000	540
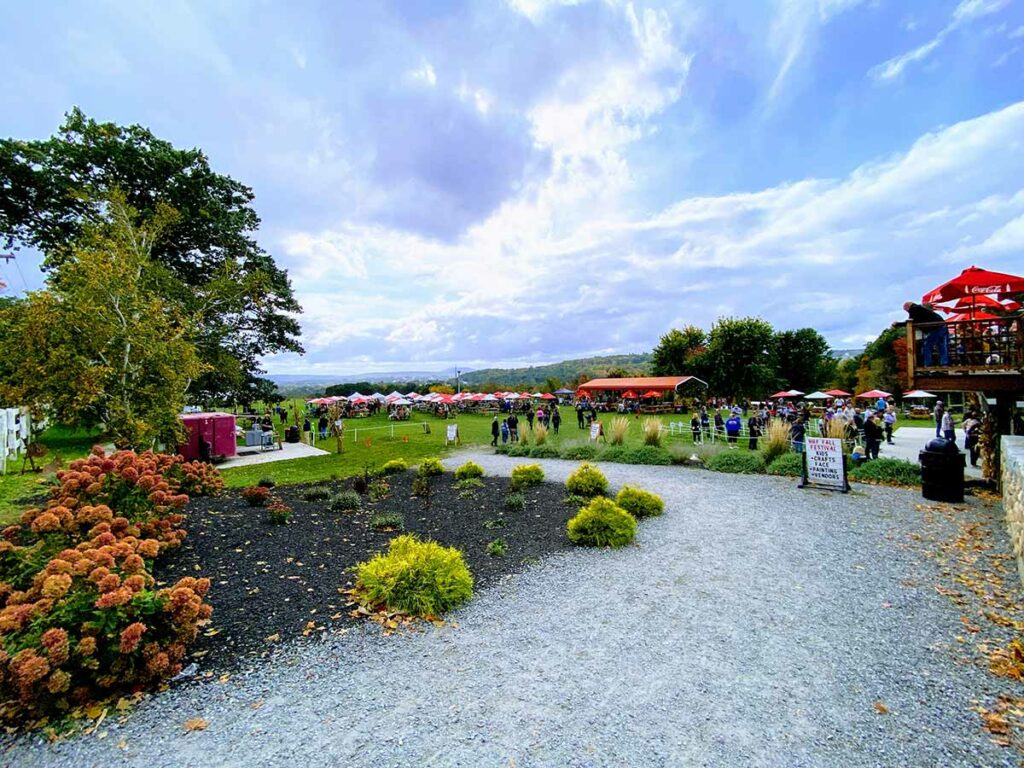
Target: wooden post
911	355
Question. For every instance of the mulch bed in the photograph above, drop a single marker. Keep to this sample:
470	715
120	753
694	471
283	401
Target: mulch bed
272	583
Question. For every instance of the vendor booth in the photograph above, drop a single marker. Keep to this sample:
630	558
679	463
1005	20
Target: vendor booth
211	436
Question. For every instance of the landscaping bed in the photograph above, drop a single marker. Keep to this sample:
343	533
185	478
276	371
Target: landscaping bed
271	583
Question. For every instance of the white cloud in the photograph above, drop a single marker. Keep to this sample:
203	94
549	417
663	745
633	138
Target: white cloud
535	10
424	73
965	12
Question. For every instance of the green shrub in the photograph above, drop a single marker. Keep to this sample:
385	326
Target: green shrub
394	467
316	493
345	501
502	449
582	452
638	502
468	470
525	475
544	452
587	481
421	486
737	462
576	501
387	521
494	522
256	495
379	489
648	454
680	453
279	512
497	548
431	467
519	449
266	482
789	464
469	483
602	523
515	502
887	472
420	578
617	453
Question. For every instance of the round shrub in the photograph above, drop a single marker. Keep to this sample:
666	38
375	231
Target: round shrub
266	482
420	578
736	463
468	470
502	450
316	493
345	501
887	472
788	464
394	466
544	452
515	502
279	513
519	449
256	495
579	452
525	475
648	454
638	502
618	453
587	481
431	467
602	523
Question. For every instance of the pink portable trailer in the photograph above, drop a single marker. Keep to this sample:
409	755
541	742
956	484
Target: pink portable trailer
217	429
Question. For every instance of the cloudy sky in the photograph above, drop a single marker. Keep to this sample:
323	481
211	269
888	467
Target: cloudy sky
520	181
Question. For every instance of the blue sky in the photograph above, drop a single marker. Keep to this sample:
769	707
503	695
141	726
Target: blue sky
523	181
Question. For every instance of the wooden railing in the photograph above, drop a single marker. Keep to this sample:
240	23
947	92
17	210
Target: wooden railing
966	346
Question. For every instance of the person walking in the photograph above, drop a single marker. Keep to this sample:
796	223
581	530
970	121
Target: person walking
495	431
529	418
938	412
505	432
556	419
307	431
580	420
513	427
890	423
754	428
972	434
872	436
732	429
797	432
321	426
947	427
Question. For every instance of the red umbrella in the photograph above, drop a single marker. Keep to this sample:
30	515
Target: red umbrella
971	302
630	395
837	393
786	393
979	315
548	396
975	281
874	394
652	393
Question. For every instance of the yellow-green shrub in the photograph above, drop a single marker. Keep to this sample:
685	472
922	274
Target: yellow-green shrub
429	467
587	481
525	475
602	523
394	466
540	433
638	502
420	578
469	469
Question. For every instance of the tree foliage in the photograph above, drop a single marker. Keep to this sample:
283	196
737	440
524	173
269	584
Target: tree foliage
102	346
52	191
740	359
677	351
803	359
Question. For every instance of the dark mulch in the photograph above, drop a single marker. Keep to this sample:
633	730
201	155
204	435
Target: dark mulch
272	583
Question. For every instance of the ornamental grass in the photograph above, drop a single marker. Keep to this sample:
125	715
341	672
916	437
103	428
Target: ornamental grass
617	430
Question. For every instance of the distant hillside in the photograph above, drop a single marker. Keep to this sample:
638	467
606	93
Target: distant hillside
567	371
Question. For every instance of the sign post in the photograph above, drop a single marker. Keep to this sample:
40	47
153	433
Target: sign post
824	464
452	435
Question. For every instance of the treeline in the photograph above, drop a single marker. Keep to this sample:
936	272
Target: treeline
566	373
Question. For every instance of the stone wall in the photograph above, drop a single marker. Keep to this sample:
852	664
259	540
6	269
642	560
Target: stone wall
1013	495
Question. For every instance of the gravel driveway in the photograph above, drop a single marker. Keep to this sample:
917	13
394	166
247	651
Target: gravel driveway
752	624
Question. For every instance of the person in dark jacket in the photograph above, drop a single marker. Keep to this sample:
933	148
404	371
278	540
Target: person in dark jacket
797	433
934	335
719	424
580	420
754	428
529	418
513	427
872	436
495	430
695	429
556	419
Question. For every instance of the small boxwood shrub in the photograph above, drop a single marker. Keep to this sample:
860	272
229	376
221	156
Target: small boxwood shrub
470	483
544	452
497	548
515	502
421	486
602	523
737	462
468	470
519	449
379	489
431	467
420	578
788	464
579	452
256	495
587	481
648	454
503	449
638	502
576	501
394	466
525	475
266	482
345	501
387	521
618	453
316	493
887	472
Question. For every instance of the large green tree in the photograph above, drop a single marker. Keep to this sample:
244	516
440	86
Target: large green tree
101	345
677	351
803	359
740	358
241	301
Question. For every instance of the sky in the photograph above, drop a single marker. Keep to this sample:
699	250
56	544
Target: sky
513	182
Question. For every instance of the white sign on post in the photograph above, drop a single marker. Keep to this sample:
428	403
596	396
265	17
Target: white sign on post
452	435
595	430
824	464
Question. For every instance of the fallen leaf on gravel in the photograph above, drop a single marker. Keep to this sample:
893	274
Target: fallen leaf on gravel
224	678
256	704
880	708
196	724
273	638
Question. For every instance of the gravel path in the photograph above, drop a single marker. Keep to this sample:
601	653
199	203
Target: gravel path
748	626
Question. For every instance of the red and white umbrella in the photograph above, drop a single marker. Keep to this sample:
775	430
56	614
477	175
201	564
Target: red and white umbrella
975	281
874	394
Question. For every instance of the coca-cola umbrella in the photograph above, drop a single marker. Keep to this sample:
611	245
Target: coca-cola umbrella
651	393
972	315
629	395
975	281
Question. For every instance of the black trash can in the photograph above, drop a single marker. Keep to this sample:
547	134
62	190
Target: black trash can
942	471
291	435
